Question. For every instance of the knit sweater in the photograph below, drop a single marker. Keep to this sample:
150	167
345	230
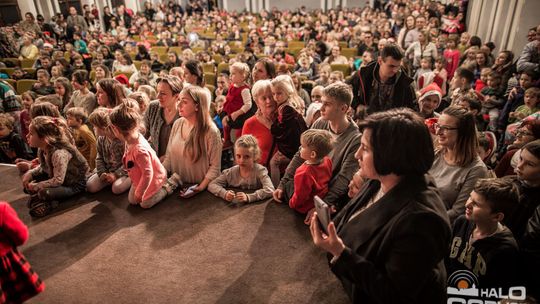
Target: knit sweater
153	121
258	180
109	156
176	161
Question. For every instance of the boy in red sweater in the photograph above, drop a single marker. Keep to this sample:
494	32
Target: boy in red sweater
312	177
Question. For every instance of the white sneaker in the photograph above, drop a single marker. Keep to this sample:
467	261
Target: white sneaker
172	183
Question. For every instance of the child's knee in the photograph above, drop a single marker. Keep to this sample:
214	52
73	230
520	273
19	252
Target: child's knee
92	187
118	189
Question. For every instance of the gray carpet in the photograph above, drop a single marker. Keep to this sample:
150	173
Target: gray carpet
99	249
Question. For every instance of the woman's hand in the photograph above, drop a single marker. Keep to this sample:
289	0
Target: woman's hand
192	191
331	243
309	216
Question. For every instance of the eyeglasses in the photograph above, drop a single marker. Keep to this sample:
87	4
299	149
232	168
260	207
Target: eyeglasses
443	129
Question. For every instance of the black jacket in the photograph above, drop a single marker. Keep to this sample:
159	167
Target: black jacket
395	249
362	84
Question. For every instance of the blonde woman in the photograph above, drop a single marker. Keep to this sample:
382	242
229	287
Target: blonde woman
194	150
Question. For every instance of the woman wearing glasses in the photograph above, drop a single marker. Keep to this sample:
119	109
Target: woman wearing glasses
194	150
457	165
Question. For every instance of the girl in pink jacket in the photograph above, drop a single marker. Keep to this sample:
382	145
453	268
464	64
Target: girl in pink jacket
147	174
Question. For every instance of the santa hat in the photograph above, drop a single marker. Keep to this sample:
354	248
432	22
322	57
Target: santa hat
431	89
122	79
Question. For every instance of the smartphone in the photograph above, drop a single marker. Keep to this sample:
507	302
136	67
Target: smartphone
323	213
189	190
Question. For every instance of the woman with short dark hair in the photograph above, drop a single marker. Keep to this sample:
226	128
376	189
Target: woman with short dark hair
389	242
162	113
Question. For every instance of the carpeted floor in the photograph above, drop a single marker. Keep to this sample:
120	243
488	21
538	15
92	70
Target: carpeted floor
98	249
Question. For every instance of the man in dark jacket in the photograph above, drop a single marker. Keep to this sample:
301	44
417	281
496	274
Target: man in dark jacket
383	85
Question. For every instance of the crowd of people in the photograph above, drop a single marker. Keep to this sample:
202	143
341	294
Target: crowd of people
424	141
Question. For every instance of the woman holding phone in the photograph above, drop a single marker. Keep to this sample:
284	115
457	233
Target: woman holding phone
389	242
194	150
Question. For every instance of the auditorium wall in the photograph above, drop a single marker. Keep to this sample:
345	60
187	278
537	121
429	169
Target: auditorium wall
504	22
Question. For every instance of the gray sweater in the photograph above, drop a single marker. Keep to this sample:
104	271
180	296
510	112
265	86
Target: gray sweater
344	165
455	183
259	181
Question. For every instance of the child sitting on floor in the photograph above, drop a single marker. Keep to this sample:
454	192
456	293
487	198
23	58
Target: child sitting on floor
85	141
312	177
12	146
246	175
62	169
147	174
110	150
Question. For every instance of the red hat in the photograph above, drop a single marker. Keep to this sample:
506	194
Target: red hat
431	89
122	79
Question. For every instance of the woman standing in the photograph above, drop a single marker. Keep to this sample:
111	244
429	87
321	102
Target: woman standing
422	48
162	113
457	165
389	242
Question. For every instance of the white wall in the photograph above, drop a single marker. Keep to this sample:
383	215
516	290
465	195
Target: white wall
26	6
504	22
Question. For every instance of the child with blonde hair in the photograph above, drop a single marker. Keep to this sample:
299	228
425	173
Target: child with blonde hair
149	90
313	176
238	101
110	150
288	125
248	174
85	141
147	174
62	169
